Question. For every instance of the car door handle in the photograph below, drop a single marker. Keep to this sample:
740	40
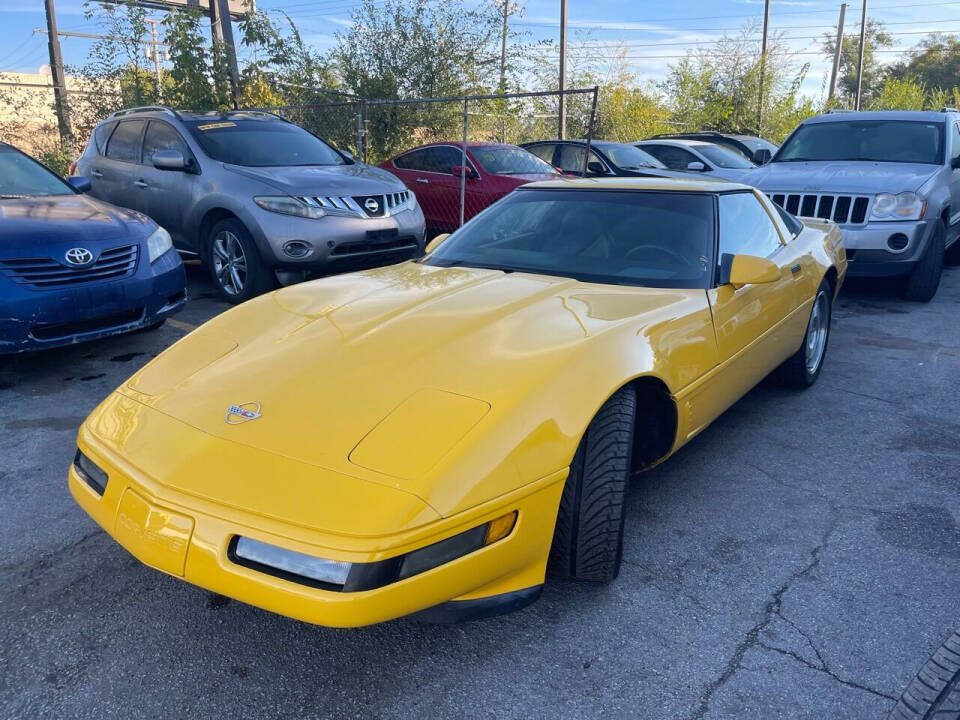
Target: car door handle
795	269
96	173
140	183
422	180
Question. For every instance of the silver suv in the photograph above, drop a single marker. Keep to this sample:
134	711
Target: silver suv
258	198
890	179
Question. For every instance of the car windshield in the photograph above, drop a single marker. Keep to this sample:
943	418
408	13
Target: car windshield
644	238
261	143
21	176
507	160
629	157
722	157
905	141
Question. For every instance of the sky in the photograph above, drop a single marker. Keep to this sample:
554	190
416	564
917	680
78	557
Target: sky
654	34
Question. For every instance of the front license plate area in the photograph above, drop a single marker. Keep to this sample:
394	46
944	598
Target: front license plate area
383	236
155	535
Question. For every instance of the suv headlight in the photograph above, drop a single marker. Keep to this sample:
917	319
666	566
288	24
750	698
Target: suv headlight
287	205
905	206
158	243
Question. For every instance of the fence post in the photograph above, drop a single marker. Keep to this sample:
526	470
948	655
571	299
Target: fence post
593	114
463	162
360	143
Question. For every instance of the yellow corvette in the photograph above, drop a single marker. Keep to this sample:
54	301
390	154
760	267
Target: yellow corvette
433	436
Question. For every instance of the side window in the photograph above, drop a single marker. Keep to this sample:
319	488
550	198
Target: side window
124	144
955	141
673	157
161	136
411	161
441	159
544	152
100	135
571	158
745	227
794	225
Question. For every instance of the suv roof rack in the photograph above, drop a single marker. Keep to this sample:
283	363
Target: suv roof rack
145	108
837	111
948	109
705	133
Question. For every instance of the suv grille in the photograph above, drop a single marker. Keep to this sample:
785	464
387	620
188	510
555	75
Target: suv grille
40	273
363	205
842	209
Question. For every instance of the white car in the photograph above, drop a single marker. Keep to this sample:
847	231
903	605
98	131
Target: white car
699	156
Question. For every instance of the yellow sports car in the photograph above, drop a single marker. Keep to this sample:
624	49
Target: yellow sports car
435	435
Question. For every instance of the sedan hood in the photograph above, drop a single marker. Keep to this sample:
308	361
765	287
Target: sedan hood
840	177
380	374
48	225
314	180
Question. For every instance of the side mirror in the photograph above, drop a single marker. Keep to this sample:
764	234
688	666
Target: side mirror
596	168
762	156
955	162
80	183
169	160
347	154
739	270
436	242
465	170
696	166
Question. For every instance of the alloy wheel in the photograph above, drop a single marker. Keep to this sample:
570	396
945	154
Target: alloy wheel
229	262
817	332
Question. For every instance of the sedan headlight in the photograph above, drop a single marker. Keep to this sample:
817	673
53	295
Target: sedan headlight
905	206
287	205
158	243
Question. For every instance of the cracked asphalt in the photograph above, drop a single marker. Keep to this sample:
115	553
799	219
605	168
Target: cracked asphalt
800	559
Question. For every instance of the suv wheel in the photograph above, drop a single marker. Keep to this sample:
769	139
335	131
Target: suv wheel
925	279
235	265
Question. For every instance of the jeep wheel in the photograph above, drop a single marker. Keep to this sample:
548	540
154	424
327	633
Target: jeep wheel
234	262
588	538
925	279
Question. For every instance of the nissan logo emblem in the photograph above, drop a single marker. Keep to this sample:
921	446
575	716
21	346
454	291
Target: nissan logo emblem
371	205
79	256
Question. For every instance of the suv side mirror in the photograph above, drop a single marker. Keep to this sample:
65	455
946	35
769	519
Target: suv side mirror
696	166
762	156
347	154
739	270
596	167
80	183
169	160
436	242
955	162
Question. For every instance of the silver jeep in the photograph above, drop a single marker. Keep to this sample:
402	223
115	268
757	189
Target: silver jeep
890	179
258	198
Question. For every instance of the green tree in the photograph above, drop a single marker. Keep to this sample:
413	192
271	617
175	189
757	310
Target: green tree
897	94
873	72
934	62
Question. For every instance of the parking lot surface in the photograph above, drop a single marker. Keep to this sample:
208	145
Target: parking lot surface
800	559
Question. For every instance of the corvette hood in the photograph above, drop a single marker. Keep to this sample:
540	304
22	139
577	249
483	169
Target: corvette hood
840	177
382	373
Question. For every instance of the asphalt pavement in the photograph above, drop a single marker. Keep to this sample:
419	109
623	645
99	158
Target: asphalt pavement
799	559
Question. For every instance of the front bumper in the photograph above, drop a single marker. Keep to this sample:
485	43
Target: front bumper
339	242
43	319
869	249
190	538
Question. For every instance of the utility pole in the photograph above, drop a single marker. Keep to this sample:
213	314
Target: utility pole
503	47
223	33
562	104
837	49
863	42
59	78
763	63
154	54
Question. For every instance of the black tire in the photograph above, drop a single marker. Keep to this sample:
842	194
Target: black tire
222	256
588	538
952	255
153	326
934	694
924	280
797	371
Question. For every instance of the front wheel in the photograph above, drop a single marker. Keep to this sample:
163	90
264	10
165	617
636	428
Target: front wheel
588	538
802	369
923	282
235	266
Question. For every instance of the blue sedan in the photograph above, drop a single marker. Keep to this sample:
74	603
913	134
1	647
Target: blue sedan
73	268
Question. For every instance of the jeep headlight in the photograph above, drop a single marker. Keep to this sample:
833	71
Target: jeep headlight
287	205
158	243
904	206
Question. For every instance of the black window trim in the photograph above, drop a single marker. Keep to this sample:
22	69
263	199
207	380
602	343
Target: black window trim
143	130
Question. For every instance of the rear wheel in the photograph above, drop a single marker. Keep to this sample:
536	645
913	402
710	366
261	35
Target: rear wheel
588	539
923	282
935	693
235	266
802	369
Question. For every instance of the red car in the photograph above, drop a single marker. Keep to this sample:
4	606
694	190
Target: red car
432	172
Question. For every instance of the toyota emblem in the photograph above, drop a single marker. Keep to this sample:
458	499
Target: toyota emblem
79	256
371	205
